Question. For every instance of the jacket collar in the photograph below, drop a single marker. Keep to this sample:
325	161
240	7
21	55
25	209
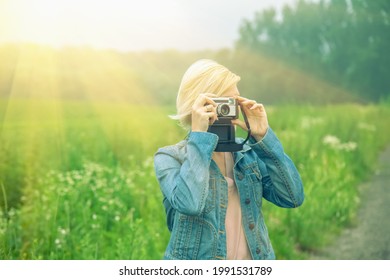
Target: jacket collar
240	154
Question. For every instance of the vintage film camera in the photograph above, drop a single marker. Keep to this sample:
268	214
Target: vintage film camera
227	110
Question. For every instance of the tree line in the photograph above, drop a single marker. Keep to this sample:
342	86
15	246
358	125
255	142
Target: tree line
345	43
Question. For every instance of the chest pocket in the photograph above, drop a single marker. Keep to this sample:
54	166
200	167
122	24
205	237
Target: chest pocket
254	180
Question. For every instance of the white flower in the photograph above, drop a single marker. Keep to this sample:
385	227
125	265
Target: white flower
307	122
335	143
62	231
331	140
349	146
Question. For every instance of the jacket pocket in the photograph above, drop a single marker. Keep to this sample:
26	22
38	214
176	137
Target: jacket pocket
194	238
254	177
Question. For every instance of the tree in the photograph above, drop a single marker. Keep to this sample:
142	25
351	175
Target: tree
343	42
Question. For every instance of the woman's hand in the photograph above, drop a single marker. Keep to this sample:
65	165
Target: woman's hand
256	115
204	113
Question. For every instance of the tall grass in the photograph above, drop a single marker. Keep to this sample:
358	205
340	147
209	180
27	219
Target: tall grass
335	148
78	182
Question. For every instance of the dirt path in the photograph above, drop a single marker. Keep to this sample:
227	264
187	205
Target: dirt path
370	238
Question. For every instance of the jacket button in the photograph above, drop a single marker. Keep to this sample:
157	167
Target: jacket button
251	226
257	251
247	201
240	176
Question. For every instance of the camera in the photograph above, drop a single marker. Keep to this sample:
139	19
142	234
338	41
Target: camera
227	110
227	107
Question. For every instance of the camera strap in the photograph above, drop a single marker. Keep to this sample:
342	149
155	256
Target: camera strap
247	126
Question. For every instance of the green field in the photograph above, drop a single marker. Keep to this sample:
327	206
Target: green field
80	122
77	178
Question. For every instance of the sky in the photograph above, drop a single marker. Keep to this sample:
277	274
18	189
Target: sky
128	25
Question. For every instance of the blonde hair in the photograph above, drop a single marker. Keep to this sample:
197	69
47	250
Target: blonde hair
203	76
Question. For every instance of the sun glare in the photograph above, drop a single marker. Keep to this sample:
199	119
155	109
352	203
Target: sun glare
102	24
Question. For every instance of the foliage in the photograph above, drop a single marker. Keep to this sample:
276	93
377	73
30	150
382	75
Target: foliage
39	135
343	42
94	195
96	212
79	127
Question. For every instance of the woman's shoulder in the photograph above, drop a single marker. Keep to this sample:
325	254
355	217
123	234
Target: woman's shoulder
175	150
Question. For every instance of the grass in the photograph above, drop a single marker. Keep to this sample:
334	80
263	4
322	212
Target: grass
78	182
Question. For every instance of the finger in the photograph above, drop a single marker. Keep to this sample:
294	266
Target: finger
200	101
203	99
240	123
257	105
210	101
212	117
247	107
248	102
240	98
210	108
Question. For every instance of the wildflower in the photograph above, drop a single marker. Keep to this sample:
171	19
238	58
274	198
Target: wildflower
77	176
349	146
62	231
366	126
11	212
335	143
95	226
308	122
69	181
331	140
58	243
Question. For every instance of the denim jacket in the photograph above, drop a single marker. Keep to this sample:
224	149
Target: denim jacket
195	194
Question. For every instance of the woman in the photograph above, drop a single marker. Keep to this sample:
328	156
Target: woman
213	200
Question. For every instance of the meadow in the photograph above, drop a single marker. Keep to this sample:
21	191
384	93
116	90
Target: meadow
77	178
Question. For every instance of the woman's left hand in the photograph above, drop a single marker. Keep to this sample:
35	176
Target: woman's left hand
256	115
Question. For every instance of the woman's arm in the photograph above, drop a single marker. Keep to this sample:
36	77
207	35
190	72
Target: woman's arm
282	184
281	181
186	184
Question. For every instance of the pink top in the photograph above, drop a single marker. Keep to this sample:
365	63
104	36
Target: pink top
237	246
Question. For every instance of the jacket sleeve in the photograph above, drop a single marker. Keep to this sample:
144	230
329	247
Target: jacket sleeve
282	184
185	183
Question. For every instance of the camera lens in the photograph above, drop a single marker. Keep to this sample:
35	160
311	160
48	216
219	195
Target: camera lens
223	110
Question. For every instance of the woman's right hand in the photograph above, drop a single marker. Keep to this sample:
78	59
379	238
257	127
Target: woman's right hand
204	113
